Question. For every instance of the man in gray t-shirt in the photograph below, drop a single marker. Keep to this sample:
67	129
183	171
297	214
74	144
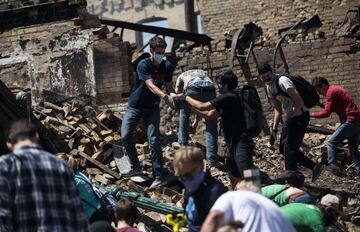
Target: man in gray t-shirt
296	119
197	84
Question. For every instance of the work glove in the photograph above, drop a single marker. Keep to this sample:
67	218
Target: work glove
169	101
180	102
273	137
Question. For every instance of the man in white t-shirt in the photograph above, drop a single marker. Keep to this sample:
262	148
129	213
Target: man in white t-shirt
285	98
255	211
197	84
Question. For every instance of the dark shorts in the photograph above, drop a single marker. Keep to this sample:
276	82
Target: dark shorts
240	156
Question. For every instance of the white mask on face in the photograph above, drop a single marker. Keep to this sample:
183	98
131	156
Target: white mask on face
158	57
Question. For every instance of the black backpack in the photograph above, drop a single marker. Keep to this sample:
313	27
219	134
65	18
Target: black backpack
307	92
252	108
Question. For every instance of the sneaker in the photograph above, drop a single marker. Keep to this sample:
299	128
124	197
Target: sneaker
157	183
334	170
316	172
132	172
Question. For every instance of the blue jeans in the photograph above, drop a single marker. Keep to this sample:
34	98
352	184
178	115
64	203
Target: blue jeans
203	92
305	198
151	119
351	132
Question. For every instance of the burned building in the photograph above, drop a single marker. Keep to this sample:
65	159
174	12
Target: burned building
59	47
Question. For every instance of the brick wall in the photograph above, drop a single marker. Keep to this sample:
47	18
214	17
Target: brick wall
113	70
222	16
65	58
57	57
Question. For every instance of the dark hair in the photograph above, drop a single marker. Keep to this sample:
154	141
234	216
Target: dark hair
330	214
126	211
319	82
21	130
264	68
101	226
228	77
157	42
293	178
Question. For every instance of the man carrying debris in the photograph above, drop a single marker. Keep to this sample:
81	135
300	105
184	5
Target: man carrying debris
197	84
37	190
143	103
202	190
226	105
340	102
246	205
297	119
313	218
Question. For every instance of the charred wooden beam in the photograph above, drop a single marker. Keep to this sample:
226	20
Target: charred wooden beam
199	39
100	165
319	129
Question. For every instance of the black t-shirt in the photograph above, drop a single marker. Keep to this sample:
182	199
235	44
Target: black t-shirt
229	107
141	96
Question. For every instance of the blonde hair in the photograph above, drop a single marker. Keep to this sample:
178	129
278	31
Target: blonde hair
188	154
245	185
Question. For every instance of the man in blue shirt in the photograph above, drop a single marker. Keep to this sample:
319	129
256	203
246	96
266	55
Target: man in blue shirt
151	74
202	190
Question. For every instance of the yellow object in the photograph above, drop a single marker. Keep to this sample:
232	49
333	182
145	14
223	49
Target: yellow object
176	221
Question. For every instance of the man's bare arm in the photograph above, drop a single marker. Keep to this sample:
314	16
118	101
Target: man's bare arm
298	101
198	105
209	114
277	114
213	221
154	89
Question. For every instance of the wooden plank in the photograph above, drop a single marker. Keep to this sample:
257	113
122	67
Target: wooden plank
100	165
85	128
52	106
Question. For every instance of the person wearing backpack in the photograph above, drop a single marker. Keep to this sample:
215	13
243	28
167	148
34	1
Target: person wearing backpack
240	144
340	102
90	202
287	99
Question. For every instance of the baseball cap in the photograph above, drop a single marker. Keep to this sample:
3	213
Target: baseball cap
264	68
331	201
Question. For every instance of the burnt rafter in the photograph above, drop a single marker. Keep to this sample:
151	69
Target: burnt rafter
198	39
12	15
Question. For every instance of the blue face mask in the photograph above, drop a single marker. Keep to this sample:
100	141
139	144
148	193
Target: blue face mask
158	57
193	183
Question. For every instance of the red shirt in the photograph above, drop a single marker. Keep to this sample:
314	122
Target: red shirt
340	102
127	229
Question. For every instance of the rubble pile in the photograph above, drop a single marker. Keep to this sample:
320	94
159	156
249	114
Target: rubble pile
93	135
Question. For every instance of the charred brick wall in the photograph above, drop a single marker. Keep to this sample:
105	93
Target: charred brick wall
113	69
59	56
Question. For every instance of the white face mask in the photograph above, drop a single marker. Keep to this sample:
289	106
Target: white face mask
158	57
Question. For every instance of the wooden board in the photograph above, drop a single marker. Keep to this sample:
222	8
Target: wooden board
100	165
